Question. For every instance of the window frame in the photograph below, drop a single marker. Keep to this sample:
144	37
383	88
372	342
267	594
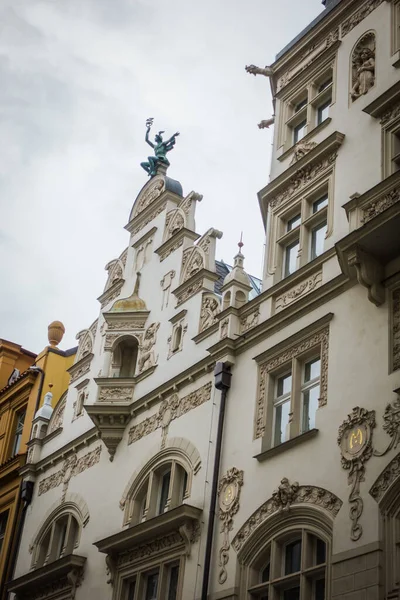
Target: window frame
4	518
18	430
46	548
162	567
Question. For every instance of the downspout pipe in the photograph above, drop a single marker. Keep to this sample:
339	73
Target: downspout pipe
222	382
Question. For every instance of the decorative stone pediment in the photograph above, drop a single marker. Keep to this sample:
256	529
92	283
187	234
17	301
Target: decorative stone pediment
57	418
80	368
150	192
86	343
182	216
283	499
58	579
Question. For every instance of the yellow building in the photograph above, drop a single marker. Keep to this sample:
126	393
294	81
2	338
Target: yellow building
24	380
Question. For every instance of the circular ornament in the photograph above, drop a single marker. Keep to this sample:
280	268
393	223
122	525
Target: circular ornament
355	439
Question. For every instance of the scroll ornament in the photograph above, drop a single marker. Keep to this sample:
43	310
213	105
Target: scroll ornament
229	495
355	442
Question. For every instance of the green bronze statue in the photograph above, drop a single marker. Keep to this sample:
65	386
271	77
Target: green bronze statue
160	150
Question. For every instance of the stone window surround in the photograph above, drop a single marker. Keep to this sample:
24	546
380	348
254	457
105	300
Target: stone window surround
395	31
82	397
289	119
306	344
163	569
177	321
390	131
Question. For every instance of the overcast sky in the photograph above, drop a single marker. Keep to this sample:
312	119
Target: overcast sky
78	80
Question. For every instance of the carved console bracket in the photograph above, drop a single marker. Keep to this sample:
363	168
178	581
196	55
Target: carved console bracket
355	442
111	421
370	274
229	495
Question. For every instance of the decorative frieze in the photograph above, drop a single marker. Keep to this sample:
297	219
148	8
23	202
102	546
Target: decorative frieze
301	178
249	320
210	307
301	149
115	394
396	330
319	339
282	499
355	442
359	15
298	291
153	191
72	466
124	325
229	496
80	368
390	114
377	206
170	409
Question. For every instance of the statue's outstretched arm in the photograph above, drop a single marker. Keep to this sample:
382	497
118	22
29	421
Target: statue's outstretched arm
147	138
253	70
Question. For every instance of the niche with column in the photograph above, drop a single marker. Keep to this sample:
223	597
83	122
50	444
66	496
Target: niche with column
124	357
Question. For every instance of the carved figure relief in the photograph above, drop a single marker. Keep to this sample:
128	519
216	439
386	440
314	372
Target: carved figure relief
301	149
286	496
363	66
250	320
355	442
229	495
166	283
147	357
224	329
115	271
210	308
170	409
192	263
174	222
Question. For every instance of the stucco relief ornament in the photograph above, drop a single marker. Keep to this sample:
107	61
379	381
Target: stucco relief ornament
147	358
209	311
391	424
363	70
301	149
355	442
285	495
229	495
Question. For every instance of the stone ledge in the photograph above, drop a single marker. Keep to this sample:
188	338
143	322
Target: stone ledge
299	439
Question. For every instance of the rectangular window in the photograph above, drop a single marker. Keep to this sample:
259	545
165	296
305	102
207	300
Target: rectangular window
324	85
310	393
396	151
299	131
323	111
19	428
300	104
293	223
292	594
318	235
320	203
290	262
282	408
3	526
131	590
151	586
173	577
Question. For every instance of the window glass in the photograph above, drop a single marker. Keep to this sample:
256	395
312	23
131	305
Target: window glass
320	589
291	252
3	525
325	84
281	422
165	480
62	537
173	582
320	554
310	406
292	557
317	240
320	204
323	111
300	105
131	590
293	594
284	385
151	586
299	131
265	574
18	432
293	223
312	369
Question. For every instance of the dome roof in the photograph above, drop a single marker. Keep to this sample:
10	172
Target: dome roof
238	274
46	410
131	304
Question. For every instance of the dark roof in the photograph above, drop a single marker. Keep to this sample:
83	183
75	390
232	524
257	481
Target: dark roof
22	376
223	269
329	5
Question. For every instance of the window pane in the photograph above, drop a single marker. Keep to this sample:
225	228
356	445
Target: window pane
300	105
3	525
312	369
317	240
265	575
131	590
284	385
320	203
293	222
173	583
319	590
164	491
293	557
310	406
324	85
61	539
151	586
293	594
18	432
281	422
320	552
291	253
323	111
299	131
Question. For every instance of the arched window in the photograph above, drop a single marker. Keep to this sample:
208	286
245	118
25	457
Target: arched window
162	489
226	300
240	299
124	358
176	342
58	538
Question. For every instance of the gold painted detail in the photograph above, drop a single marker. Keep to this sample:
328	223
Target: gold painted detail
229	495
170	409
355	442
72	466
282	499
318	339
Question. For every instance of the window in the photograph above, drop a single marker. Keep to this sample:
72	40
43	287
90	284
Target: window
309	108
124	358
303	230
282	408
293	566
3	527
179	329
177	339
310	393
57	540
391	146
163	489
161	583
395	20
19	428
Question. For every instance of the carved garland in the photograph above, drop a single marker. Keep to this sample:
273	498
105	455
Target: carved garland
378	206
282	499
229	495
359	15
318	339
355	442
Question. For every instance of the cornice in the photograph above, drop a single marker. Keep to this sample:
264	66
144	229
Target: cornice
19	386
376	192
384	102
199	276
80	368
111	293
175	241
151	211
288	180
144	237
180	315
205	333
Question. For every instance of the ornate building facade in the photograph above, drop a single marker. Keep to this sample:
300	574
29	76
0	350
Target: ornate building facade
279	408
